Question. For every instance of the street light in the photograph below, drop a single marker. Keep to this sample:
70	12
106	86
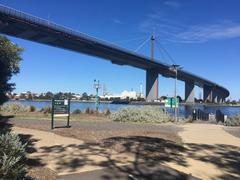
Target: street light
175	69
97	86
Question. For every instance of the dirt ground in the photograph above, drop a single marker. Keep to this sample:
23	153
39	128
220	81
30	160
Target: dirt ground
95	131
146	151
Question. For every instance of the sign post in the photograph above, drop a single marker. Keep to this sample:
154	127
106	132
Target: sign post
60	108
97	86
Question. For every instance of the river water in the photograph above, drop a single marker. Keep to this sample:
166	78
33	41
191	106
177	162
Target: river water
184	110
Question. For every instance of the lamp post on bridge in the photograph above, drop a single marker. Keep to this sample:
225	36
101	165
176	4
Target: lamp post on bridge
97	86
175	69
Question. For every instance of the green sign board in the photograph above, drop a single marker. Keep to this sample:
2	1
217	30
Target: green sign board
171	102
60	108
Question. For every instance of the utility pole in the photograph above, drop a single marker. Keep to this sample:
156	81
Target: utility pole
152	58
175	95
175	69
97	86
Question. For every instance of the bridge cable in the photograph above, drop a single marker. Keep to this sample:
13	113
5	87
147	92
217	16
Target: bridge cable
129	40
161	52
163	55
142	44
166	52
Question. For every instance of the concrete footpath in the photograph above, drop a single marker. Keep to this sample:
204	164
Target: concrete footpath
208	152
67	155
212	153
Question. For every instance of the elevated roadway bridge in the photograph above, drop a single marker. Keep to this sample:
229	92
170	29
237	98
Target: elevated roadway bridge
25	26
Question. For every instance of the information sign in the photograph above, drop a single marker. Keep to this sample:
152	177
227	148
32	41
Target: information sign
60	108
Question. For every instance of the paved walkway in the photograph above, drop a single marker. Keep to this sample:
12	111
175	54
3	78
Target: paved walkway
209	152
212	152
67	155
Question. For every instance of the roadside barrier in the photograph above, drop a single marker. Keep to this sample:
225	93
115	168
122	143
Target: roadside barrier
199	114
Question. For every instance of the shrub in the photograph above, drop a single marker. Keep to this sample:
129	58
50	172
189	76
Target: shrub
107	112
187	120
87	111
32	108
97	112
14	108
148	114
46	110
77	111
12	157
233	121
91	111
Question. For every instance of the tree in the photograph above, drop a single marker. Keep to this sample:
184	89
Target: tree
59	95
10	57
180	99
85	96
49	95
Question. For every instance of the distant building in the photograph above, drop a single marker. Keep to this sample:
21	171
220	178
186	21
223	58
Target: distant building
76	97
129	94
124	95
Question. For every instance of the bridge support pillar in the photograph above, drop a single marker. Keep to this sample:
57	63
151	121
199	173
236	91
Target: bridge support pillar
151	85
215	96
207	94
220	98
189	92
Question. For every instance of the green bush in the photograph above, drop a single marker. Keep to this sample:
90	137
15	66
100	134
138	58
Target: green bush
77	111
87	111
106	112
12	157
91	111
14	108
233	121
46	110
32	108
147	114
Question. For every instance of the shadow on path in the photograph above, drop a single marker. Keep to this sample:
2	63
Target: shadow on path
149	156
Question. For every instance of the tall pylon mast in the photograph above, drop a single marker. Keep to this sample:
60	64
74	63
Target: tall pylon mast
152	58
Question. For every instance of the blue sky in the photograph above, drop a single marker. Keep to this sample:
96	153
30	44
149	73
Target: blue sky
202	36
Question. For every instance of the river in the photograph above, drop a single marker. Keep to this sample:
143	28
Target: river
184	110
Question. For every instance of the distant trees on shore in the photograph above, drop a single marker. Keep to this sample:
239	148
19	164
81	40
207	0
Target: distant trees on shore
50	95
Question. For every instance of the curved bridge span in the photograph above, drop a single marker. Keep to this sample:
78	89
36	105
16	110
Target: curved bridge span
25	26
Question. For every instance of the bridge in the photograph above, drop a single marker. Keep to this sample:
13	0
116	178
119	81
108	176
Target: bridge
25	26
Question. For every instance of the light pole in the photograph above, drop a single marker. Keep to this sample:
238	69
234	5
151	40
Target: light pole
175	68
97	86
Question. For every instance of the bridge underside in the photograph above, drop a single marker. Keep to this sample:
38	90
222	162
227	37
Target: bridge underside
18	24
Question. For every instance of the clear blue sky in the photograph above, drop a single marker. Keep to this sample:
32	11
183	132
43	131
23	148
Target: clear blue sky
202	36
